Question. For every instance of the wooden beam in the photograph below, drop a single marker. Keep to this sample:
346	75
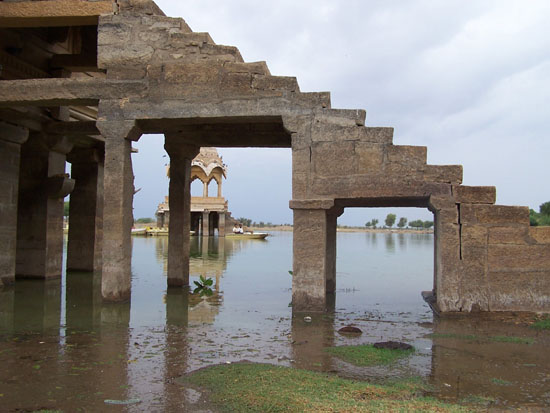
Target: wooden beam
52	13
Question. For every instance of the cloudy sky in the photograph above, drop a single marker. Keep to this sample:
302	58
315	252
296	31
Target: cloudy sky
468	79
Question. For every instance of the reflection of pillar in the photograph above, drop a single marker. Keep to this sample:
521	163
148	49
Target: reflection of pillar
37	305
309	341
314	258
11	138
204	247
179	197
221	224
177	307
6	309
86	211
117	208
83	301
205	223
42	187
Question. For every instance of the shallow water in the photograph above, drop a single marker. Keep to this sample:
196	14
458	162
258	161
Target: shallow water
60	347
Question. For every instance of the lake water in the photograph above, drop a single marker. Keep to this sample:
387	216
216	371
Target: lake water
61	347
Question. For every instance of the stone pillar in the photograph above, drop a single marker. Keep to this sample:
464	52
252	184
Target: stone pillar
211	224
447	255
220	188
314	251
11	138
84	249
42	188
118	186
221	224
205	189
205	230
179	197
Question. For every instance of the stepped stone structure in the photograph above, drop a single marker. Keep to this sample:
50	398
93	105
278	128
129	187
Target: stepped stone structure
209	212
81	80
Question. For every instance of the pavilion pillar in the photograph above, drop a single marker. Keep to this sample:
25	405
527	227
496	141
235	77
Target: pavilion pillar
118	186
314	258
42	189
205	223
211	224
205	189
220	188
84	248
179	197
221	224
11	139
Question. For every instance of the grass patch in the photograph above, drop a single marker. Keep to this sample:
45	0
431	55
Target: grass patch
494	339
542	324
367	355
501	382
265	388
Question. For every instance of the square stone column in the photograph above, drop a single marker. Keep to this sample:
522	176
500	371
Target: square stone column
84	248
43	186
221	224
314	257
179	197
118	186
205	230
211	224
11	138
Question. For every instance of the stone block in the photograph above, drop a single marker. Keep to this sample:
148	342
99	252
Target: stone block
497	215
343	117
475	194
286	83
509	235
524	258
299	185
237	83
301	160
333	159
540	234
256	68
220	52
377	135
370	157
407	156
312	204
335	129
451	174
473	236
519	291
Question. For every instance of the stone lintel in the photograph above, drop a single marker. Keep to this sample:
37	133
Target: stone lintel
475	194
12	133
312	204
72	128
53	13
85	155
66	92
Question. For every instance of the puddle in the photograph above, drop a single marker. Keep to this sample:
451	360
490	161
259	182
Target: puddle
61	348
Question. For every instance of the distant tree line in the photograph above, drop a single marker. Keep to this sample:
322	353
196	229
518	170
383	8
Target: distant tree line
402	223
541	218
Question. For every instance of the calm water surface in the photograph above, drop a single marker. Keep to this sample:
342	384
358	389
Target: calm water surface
60	347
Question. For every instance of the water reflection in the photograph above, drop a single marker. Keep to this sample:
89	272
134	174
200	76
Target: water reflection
69	350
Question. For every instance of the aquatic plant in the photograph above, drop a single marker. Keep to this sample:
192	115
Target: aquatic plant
542	324
204	286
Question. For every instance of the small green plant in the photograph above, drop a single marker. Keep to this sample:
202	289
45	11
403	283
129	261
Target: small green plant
291	272
542	324
204	287
367	355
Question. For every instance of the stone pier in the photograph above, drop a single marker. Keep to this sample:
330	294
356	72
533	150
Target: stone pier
118	218
11	139
43	186
180	210
84	249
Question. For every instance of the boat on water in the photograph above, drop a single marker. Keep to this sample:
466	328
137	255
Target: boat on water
248	235
139	231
